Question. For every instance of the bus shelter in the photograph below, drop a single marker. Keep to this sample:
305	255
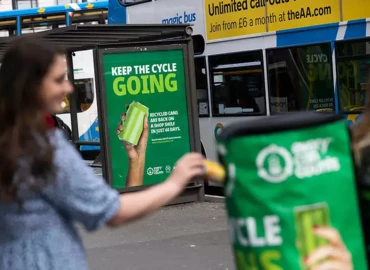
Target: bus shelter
150	68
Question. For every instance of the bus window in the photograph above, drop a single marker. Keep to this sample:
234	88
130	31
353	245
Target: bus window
96	16
8	27
198	44
202	86
39	23
237	83
353	62
133	2
301	78
23	4
65	2
85	96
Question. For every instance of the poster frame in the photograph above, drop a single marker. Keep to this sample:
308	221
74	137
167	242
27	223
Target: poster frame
195	189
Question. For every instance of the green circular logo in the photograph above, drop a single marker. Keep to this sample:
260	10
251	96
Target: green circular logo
218	129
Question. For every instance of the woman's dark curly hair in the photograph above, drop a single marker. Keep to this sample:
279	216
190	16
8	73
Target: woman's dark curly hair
25	147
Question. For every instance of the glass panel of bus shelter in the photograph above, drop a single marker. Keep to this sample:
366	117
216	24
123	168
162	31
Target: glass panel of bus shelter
85	95
353	63
301	78
202	86
237	83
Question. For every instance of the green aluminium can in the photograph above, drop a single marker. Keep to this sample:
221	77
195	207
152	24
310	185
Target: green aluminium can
306	218
134	123
286	176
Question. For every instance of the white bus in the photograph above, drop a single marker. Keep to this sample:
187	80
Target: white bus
278	56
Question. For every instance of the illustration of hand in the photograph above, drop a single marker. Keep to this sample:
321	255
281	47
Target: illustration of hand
138	151
333	256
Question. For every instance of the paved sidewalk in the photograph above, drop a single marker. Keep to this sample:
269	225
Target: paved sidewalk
188	236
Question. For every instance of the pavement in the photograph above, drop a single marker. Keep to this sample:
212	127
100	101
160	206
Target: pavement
189	236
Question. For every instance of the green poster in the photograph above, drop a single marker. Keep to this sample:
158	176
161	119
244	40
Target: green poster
282	187
153	82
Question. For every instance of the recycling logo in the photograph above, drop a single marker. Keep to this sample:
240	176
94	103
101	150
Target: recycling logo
274	164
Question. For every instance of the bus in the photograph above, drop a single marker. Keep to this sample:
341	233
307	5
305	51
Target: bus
25	21
268	57
31	20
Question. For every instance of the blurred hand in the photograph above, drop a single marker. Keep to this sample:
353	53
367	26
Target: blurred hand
333	256
138	151
186	168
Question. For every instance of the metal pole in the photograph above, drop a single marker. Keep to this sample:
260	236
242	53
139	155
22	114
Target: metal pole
103	155
194	116
19	25
72	99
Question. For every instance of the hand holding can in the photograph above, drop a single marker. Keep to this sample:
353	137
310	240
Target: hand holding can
334	256
214	171
133	130
187	167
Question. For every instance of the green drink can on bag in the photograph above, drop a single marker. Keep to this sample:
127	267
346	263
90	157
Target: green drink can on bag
134	123
306	218
286	176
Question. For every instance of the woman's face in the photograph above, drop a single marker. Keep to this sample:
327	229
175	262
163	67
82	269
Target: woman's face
55	87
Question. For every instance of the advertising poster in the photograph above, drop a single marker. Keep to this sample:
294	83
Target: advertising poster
228	19
147	116
235	18
354	9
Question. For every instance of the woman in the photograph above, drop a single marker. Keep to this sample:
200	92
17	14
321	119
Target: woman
44	185
361	150
54	121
